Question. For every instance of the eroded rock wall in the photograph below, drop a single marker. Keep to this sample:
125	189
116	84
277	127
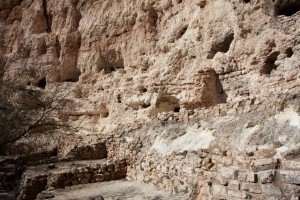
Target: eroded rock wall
165	80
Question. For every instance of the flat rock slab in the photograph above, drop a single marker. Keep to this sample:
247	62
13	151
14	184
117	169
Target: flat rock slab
61	167
120	189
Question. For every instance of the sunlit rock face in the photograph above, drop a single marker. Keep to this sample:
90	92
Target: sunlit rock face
200	97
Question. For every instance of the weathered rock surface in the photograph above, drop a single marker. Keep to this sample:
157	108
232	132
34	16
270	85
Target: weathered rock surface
199	97
112	190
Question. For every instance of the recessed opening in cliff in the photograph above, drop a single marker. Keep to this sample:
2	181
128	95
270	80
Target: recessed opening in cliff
246	1
42	83
176	109
287	7
269	64
71	76
289	52
146	105
58	48
71	80
220	46
152	16
104	113
142	89
165	103
48	17
41	47
119	98
181	32
110	61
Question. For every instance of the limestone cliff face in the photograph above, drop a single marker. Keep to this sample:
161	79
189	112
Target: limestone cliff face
219	73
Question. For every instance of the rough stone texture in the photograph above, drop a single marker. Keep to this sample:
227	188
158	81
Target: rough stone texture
41	177
199	97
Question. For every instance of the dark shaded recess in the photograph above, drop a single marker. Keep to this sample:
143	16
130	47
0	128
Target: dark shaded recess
37	186
269	64
119	99
287	7
79	16
8	6
246	1
105	114
79	41
176	109
43	48
289	52
48	17
58	47
42	83
72	79
165	103
222	46
181	32
221	92
153	17
146	105
143	89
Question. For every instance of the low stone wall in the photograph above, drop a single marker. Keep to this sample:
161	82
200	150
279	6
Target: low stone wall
222	174
216	172
39	178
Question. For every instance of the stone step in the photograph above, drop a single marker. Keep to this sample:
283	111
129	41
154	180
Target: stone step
120	189
62	174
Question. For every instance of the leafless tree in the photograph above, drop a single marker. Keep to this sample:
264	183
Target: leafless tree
24	110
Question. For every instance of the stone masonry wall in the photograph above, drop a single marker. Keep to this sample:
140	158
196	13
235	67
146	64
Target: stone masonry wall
198	97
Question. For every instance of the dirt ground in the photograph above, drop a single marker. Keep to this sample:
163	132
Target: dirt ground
115	190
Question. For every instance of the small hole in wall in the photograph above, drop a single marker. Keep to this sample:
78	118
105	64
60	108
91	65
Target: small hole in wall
119	99
269	64
58	47
181	32
246	1
42	83
146	105
143	90
152	17
289	52
105	114
177	109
